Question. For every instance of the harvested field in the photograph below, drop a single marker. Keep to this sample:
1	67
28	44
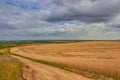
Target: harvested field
100	58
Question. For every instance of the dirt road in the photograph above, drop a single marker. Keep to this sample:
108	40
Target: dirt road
37	71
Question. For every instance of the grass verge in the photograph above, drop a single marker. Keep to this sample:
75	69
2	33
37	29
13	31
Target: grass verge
10	68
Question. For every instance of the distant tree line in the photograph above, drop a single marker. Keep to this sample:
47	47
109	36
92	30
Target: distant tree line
8	44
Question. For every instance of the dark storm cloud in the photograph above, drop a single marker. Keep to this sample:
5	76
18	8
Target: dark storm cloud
5	26
83	10
116	26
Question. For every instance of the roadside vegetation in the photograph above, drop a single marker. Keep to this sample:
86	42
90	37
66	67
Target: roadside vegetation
10	68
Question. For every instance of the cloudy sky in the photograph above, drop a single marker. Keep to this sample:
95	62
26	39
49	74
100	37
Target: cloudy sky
59	19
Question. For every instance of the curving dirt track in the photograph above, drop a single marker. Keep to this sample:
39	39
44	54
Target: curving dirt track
44	72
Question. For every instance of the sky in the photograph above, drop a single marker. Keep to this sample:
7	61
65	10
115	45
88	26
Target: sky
59	19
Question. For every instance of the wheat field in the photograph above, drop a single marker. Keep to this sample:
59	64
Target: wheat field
101	58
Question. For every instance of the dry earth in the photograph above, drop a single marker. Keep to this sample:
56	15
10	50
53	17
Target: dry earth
98	57
36	71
